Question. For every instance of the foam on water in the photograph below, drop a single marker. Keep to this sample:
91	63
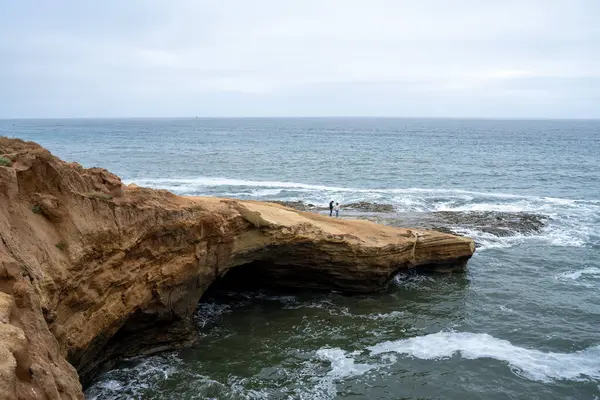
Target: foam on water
528	363
573	221
342	364
592	272
202	182
561	234
208	313
506	309
335	310
413	281
392	315
196	183
148	372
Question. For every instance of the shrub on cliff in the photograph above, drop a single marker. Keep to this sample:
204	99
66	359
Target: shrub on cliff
5	162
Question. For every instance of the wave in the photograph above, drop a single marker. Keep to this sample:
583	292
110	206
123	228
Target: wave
553	235
182	183
342	364
404	199
573	221
528	363
146	375
214	181
148	372
579	273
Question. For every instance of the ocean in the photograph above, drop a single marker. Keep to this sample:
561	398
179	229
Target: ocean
523	322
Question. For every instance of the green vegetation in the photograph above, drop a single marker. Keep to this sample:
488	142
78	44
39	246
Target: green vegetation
62	246
36	209
5	162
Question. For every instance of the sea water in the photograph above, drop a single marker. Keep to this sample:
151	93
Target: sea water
523	322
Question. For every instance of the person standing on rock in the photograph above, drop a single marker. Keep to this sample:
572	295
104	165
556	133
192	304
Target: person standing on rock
331	208
337	210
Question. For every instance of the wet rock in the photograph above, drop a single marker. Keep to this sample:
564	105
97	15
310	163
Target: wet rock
363	206
370	207
494	222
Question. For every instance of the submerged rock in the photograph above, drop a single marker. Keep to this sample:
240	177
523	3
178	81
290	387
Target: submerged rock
92	270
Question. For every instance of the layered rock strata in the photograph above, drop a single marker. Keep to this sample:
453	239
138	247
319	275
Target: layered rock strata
92	270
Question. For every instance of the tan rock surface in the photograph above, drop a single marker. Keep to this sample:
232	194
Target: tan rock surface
92	270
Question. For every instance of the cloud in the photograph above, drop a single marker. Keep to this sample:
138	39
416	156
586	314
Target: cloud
469	58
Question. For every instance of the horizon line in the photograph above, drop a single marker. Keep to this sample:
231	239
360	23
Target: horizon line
309	117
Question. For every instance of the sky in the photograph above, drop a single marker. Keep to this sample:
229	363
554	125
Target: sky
242	58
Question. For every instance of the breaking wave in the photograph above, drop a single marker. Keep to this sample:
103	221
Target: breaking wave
342	366
588	277
578	274
528	363
227	186
571	222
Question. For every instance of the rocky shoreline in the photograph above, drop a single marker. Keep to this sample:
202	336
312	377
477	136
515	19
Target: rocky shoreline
359	206
496	223
92	270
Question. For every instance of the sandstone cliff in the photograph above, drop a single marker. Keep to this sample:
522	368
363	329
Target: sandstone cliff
91	270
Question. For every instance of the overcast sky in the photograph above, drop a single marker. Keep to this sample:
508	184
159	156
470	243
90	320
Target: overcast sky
437	58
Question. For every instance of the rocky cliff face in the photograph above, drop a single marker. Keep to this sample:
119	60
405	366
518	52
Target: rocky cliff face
91	270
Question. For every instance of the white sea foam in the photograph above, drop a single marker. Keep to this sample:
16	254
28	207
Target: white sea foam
266	192
573	222
148	372
528	363
591	271
392	315
487	240
553	234
414	281
140	379
465	195
215	181
332	309
208	313
516	206
342	366
342	363
219	181
506	309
